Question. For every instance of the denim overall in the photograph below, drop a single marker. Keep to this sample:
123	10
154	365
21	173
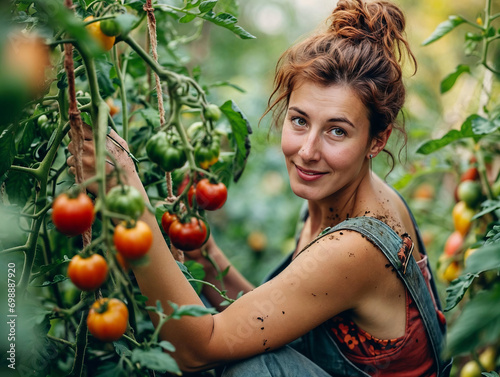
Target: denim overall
316	354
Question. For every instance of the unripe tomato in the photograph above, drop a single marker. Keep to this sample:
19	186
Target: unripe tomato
105	41
133	243
257	241
470	369
212	112
210	196
453	243
110	27
125	200
188	236
462	217
488	358
107	319
470	192
167	219
72	216
496	189
88	274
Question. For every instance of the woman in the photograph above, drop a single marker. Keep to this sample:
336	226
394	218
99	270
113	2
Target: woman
354	298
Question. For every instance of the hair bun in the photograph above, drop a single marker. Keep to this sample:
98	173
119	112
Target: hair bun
378	21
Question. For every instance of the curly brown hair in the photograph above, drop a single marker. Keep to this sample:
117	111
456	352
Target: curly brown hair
363	48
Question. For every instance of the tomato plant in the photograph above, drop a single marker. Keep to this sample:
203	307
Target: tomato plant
72	216
210	196
189	235
133	242
107	319
88	273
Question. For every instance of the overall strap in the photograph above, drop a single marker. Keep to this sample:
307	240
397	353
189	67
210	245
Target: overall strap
392	245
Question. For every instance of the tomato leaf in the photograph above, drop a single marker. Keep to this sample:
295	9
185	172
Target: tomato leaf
156	359
18	187
241	130
456	290
229	6
167	346
207	6
227	21
7	148
444	28
453	135
483	259
478	323
482	126
190	310
103	69
110	370
188	17
490	374
488	207
450	80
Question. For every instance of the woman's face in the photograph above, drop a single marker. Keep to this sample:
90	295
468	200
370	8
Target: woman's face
325	140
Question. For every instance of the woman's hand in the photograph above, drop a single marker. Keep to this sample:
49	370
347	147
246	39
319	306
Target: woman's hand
116	147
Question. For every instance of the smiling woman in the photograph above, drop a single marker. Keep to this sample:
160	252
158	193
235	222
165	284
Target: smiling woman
355	297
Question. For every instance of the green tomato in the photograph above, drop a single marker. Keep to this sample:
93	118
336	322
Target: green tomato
470	192
212	112
167	152
110	27
206	152
496	189
126	200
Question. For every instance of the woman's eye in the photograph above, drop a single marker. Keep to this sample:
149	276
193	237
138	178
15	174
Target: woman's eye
299	121
337	132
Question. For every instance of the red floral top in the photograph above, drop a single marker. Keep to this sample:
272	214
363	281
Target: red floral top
409	355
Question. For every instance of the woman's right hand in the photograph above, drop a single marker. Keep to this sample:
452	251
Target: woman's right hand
115	145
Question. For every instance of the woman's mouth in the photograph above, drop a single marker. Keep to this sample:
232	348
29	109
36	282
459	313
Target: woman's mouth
308	175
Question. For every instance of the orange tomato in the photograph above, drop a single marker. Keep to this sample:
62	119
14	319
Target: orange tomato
462	217
107	319
453	244
95	31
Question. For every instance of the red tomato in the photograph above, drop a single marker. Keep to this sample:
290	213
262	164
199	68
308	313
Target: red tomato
72	216
107	319
210	196
471	174
454	243
167	219
133	243
88	274
188	236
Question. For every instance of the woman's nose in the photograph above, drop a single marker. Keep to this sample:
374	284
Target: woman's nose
310	150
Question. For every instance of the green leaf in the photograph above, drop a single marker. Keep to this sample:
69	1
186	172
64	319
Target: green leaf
150	115
241	130
228	6
456	290
478	323
444	28
482	126
190	310
207	6
188	17
451	79
490	374
488	207
103	69
126	22
19	187
196	271
227	21
57	279
483	259
451	136
155	359
108	369
7	148
167	346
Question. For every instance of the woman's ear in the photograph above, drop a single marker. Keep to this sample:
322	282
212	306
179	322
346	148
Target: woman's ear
378	143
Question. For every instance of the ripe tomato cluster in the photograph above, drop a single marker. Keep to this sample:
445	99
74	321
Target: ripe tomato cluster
468	195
